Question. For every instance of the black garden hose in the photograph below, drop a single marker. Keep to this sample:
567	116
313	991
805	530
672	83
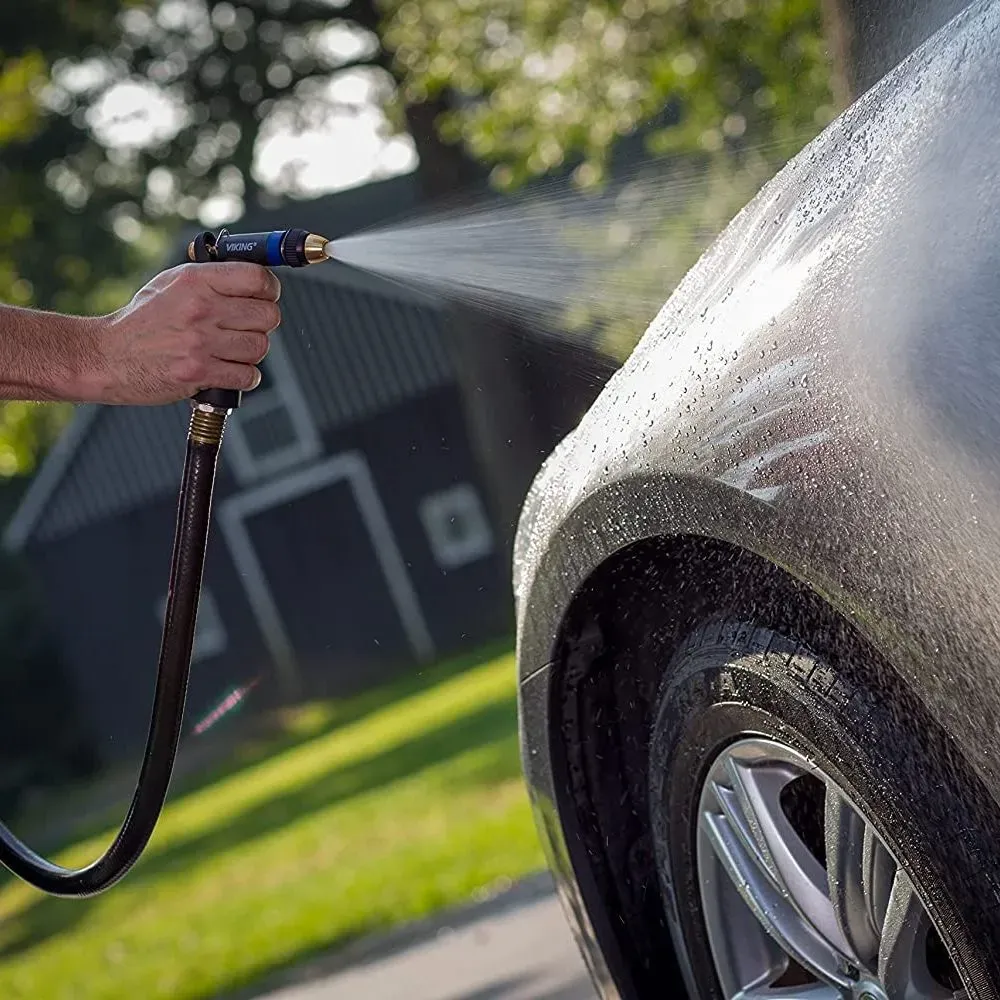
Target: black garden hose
212	407
187	563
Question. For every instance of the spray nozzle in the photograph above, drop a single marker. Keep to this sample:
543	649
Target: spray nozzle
280	248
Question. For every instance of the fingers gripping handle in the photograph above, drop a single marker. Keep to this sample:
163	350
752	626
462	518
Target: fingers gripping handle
203	250
281	248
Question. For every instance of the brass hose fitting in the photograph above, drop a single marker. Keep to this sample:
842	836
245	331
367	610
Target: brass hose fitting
207	425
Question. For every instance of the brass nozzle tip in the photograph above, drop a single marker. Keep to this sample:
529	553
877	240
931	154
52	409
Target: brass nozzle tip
315	248
191	251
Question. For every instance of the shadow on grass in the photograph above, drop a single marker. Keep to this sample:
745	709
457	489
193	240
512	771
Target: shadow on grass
339	713
239	750
493	724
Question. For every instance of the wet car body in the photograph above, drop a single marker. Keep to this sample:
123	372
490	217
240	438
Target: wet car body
815	412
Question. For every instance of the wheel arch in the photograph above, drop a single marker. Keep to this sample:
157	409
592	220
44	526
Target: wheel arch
655	591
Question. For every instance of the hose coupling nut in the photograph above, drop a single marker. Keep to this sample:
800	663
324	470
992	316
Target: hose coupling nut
207	425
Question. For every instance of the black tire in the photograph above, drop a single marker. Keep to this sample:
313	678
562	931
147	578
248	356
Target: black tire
858	723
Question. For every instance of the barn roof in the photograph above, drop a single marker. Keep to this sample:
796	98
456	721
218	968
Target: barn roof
357	345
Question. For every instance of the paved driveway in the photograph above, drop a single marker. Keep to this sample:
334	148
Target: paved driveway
514	947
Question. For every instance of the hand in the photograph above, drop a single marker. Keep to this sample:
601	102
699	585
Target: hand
193	327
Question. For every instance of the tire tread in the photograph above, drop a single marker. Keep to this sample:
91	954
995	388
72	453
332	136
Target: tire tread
852	708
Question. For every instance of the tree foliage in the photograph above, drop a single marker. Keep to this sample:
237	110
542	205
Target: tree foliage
723	91
539	82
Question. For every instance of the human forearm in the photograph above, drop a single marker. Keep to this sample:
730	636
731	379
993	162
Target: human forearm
190	328
45	356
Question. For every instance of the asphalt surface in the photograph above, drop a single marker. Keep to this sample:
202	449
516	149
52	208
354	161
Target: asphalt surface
516	946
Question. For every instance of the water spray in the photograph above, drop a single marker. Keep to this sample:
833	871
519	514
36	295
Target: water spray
210	410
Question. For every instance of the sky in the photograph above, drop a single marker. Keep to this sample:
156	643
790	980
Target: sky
344	149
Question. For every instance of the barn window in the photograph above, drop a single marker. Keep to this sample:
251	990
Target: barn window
456	526
273	429
210	634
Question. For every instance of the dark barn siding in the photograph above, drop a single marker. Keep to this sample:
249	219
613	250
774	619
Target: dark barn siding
102	584
326	582
417	449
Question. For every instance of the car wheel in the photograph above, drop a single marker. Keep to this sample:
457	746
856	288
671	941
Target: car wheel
815	834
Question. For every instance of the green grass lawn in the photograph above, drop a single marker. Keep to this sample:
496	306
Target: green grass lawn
370	813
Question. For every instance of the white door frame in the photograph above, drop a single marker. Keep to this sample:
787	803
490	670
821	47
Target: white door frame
352	468
285	392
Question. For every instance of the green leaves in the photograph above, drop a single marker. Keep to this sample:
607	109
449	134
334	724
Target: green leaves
725	91
26	430
20	80
544	82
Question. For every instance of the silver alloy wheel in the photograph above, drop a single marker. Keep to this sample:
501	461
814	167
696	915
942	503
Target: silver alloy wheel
801	898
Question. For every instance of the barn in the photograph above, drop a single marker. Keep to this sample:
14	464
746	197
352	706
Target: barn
353	537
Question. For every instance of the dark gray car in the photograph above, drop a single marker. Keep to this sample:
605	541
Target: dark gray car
758	589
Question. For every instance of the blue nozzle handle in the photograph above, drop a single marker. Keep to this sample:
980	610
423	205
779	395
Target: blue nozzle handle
280	248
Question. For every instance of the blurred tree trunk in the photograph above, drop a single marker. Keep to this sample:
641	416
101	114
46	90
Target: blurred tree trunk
868	39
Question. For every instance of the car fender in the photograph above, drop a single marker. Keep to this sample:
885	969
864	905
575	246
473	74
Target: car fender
822	390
